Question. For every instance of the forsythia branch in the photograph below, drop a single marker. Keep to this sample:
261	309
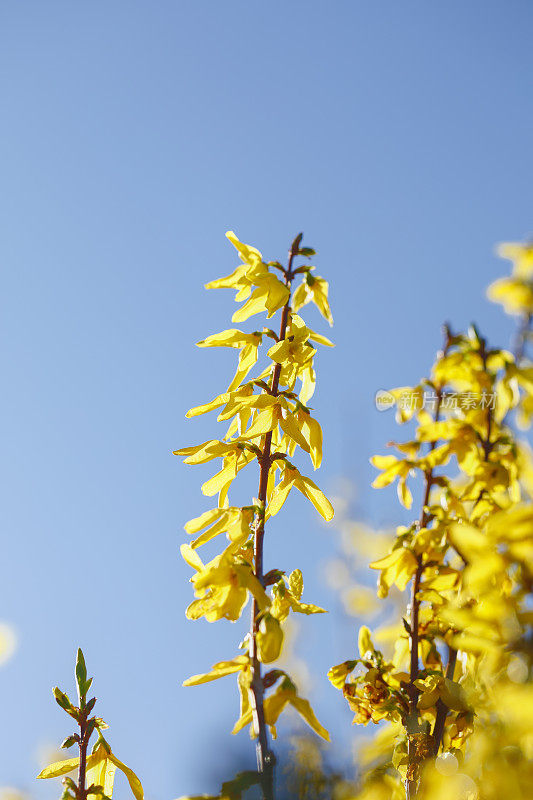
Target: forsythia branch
265	758
268	421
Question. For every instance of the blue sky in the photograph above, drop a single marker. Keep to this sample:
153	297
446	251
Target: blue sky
397	136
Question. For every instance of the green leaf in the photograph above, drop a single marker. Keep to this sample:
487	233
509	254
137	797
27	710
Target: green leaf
69	741
81	676
295	247
90	705
62	700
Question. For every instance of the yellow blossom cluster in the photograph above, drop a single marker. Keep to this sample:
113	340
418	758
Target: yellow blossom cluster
268	419
462	663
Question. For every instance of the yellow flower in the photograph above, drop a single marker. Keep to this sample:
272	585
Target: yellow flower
437	687
248	343
337	675
397	568
514	294
235	522
304	426
236	455
285	695
313	289
521	255
292	478
394	468
101	767
270	294
222	586
294	354
286	597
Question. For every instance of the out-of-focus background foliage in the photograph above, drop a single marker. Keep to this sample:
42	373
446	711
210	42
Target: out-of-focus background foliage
397	137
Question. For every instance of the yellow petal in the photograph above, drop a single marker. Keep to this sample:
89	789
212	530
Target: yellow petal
219	670
191	557
289	426
364	641
337	675
308	379
248	579
313	433
205	519
233	337
102	774
303	707
248	253
221	400
319	339
247	359
404	494
316	496
133	780
278	294
244	720
220	480
279	495
275	704
264	422
388	560
296	583
254	305
269	639
59	768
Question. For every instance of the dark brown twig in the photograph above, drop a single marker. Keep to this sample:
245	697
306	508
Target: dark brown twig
265	758
81	792
442	709
487	446
411	782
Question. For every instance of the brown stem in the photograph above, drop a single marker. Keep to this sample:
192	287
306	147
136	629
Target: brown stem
415	602
487	445
265	758
442	709
411	781
415	608
83	743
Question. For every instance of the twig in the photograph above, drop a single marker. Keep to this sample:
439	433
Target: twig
81	792
265	758
442	709
410	783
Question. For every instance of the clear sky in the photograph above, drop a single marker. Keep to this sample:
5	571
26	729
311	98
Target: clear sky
397	136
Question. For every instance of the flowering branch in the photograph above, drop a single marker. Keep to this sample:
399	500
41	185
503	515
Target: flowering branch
425	517
266	426
96	771
265	758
